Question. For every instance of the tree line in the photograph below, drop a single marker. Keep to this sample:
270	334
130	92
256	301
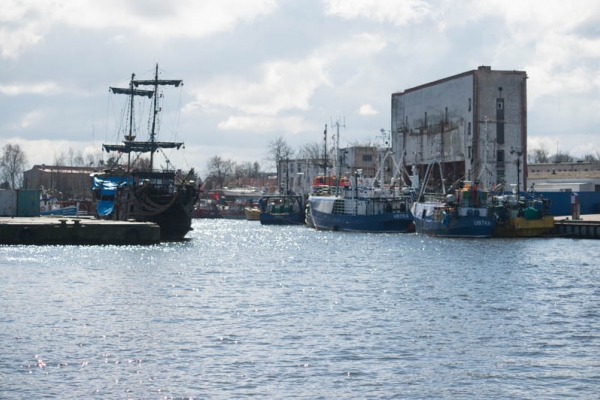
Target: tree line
541	155
222	172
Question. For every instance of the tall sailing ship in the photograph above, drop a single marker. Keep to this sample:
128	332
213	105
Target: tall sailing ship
140	192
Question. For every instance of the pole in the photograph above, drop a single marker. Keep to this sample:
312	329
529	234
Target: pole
325	155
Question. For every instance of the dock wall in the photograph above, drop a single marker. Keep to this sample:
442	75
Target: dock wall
49	231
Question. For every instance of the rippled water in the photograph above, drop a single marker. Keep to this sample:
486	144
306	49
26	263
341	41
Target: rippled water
281	312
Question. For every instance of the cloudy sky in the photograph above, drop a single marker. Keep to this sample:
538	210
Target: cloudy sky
255	70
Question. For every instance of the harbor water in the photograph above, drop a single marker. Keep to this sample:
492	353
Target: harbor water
243	310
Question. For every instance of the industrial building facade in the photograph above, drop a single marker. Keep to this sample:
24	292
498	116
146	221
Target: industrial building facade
474	124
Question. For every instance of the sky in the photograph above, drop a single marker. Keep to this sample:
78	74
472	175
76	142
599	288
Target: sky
256	70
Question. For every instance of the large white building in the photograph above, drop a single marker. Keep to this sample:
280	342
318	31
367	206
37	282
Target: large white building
475	123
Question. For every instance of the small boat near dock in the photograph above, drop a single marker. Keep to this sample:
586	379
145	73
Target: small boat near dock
463	213
281	210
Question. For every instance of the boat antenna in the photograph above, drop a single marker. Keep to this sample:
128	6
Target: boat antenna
338	156
325	155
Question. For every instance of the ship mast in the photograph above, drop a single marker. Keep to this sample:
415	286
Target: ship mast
130	137
152	145
155	82
153	132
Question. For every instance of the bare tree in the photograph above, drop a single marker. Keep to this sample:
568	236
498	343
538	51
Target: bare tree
279	150
540	155
245	169
561	157
589	157
311	151
12	165
220	169
255	169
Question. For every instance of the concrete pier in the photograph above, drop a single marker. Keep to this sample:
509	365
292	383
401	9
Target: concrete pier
72	230
586	227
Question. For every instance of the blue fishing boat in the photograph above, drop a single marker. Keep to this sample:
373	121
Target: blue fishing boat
364	208
448	216
365	204
281	210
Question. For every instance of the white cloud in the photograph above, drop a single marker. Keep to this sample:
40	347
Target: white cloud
361	45
30	119
12	42
45	88
265	124
367	109
26	22
397	12
285	85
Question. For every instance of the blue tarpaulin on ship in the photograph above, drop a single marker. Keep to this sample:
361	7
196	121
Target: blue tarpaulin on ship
108	187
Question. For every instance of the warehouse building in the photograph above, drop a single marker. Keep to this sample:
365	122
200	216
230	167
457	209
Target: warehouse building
474	124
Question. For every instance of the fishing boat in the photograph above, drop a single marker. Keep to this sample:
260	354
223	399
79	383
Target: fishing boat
281	210
51	207
233	211
207	208
365	206
463	213
252	213
143	193
525	215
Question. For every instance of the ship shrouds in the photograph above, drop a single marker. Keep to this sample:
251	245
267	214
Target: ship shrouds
141	192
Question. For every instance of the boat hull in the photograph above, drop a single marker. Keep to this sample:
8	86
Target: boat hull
281	210
282	219
172	212
469	225
521	227
64	211
252	214
361	215
400	222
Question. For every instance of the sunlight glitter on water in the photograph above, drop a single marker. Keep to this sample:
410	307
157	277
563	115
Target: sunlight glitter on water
243	310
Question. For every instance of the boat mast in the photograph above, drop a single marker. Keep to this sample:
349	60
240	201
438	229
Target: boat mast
152	132
155	82
130	137
338	158
325	156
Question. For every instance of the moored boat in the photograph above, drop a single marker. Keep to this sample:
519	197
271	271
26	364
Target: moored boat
142	193
207	208
232	211
363	204
281	210
446	216
523	216
252	213
364	208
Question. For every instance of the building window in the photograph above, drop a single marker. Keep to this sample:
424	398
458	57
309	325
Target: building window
500	105
367	158
500	133
500	158
469	152
469	129
469	104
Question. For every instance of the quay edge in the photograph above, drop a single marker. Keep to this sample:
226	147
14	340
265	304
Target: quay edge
76	231
587	227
